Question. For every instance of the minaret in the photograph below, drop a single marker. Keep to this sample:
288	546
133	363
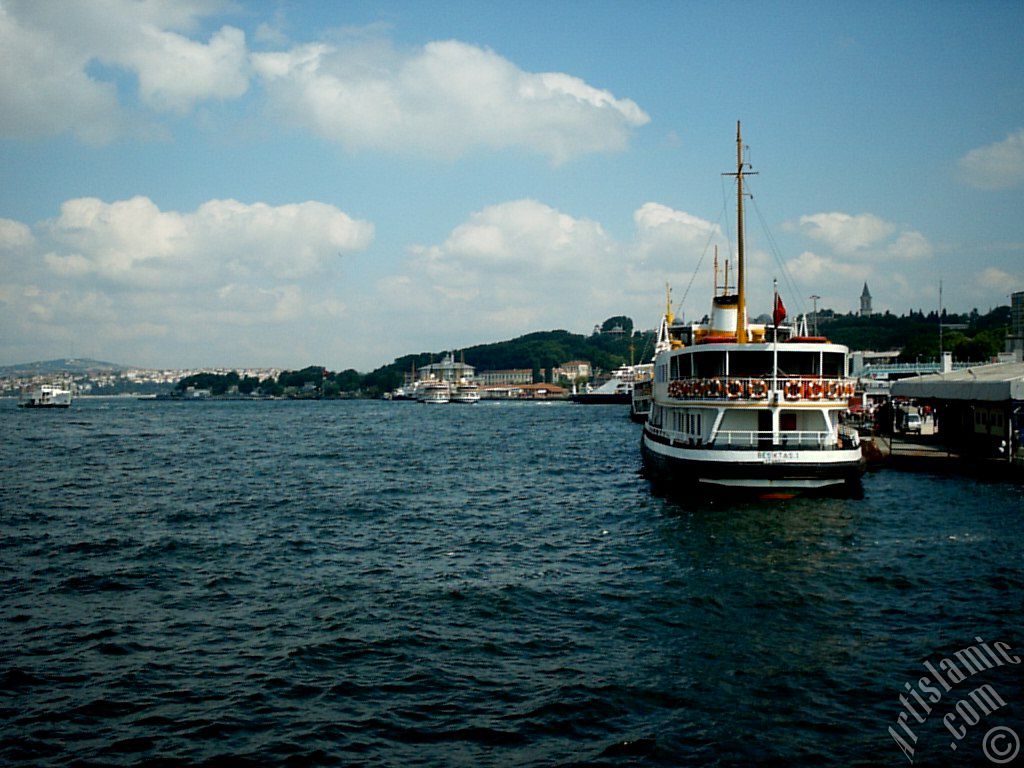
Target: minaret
865	302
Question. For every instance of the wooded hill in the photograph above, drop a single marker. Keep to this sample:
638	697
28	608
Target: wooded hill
916	335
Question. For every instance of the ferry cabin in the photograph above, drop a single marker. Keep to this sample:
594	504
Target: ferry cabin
733	396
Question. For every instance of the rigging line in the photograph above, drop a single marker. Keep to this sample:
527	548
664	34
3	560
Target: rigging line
774	248
707	244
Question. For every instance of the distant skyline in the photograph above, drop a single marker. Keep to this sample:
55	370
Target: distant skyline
276	184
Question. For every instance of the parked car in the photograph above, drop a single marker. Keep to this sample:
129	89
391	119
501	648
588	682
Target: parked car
912	423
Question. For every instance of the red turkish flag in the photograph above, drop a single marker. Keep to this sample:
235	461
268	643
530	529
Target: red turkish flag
779	313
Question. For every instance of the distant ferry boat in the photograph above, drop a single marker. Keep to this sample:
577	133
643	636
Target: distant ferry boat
47	396
618	389
465	392
643	386
748	407
435	392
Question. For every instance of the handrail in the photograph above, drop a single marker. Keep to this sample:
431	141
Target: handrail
757	388
787	439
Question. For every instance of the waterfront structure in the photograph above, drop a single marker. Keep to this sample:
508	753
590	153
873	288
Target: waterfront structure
505	377
979	410
572	370
746	407
449	369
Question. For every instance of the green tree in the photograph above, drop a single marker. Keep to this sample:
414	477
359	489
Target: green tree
626	323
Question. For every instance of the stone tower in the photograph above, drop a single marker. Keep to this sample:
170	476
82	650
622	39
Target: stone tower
865	302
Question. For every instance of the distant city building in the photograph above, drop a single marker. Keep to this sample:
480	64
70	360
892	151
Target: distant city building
1015	339
865	302
447	370
572	370
510	376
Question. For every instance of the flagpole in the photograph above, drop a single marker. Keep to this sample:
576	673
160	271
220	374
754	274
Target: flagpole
775	340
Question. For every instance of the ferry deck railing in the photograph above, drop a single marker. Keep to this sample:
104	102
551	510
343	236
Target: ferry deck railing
796	439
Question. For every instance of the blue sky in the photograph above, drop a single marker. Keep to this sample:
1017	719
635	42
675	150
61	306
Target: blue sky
284	183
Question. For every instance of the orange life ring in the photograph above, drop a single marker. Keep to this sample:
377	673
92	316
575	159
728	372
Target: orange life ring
792	389
813	390
715	388
758	389
734	389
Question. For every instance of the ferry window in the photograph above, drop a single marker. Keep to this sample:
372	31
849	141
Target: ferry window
747	364
832	365
708	364
798	363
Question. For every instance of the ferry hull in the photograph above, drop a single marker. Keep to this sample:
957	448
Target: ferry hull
593	398
757	472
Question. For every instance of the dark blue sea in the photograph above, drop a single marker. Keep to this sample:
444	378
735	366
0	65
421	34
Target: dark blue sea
392	584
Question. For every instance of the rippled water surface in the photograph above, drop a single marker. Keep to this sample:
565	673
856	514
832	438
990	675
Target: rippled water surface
362	583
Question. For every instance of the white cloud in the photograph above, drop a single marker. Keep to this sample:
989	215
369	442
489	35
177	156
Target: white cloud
855	249
994	279
14	235
46	50
175	72
127	271
996	166
910	245
663	231
822	272
842	232
448	97
522	266
45	90
134	241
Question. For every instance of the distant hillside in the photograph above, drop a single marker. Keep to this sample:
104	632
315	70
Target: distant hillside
540	351
971	337
75	365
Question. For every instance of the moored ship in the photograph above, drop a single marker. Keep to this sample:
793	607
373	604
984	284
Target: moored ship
750	407
465	392
435	392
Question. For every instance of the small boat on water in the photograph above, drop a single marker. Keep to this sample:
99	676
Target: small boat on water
747	407
47	396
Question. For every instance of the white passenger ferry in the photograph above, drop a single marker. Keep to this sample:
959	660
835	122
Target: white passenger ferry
47	396
465	392
750	407
435	392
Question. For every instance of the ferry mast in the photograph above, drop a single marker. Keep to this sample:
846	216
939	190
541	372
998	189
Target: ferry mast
741	293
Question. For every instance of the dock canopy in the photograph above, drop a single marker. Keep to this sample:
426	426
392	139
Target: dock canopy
998	382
